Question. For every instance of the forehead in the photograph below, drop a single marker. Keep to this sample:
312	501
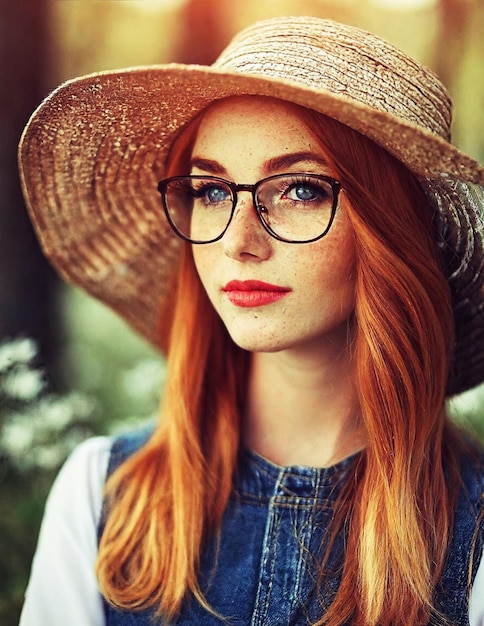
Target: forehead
254	127
264	110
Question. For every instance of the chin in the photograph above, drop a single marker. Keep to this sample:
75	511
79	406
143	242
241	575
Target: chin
254	342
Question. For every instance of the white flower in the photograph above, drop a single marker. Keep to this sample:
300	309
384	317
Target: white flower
42	434
23	384
16	351
16	439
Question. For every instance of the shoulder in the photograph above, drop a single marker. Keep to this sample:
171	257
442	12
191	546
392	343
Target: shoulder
127	444
468	518
89	460
85	471
472	472
92	454
468	531
63	588
78	487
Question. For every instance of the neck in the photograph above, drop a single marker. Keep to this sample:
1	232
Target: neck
302	410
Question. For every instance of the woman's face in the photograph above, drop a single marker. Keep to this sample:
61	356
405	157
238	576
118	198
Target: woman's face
271	295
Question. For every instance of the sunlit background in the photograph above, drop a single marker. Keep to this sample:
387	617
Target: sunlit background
68	368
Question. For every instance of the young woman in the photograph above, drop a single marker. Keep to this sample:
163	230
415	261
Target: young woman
314	273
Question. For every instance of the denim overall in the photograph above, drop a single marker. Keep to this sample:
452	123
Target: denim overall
261	571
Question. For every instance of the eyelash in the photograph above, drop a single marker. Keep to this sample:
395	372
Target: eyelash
303	181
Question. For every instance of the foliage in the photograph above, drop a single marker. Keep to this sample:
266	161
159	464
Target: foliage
467	410
38	429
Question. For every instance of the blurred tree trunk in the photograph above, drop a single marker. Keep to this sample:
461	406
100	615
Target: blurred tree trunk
454	20
27	284
205	31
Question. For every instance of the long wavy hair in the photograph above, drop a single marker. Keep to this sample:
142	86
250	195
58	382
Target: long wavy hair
168	499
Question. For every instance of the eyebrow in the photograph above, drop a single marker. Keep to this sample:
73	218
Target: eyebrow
274	164
288	160
207	165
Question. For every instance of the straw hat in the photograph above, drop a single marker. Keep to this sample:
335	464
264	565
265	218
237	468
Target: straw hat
93	152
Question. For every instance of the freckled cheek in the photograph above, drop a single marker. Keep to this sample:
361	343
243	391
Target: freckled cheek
338	269
345	271
204	262
207	264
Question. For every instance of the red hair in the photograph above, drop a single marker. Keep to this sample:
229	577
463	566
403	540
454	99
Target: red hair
402	507
168	498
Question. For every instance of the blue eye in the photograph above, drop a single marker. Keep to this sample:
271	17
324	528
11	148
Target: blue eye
304	193
217	194
308	192
213	193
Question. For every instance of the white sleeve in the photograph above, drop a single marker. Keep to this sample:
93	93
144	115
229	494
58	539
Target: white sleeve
476	608
63	588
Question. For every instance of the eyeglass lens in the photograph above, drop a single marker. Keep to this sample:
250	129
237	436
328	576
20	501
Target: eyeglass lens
292	207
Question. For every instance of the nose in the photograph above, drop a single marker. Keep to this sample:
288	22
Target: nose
246	237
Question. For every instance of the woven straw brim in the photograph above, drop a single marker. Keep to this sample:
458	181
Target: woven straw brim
92	154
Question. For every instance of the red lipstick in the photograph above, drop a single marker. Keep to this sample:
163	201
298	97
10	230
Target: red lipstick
253	293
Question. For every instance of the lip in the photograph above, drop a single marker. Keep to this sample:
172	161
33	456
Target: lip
253	293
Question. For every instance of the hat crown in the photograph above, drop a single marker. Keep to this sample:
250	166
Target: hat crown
323	55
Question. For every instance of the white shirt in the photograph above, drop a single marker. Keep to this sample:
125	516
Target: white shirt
63	588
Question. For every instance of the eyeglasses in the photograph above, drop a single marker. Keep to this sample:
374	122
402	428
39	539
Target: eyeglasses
295	208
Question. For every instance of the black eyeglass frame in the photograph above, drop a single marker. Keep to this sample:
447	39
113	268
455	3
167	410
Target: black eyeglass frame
258	208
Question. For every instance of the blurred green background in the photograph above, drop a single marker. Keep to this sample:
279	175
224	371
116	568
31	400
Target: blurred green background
69	369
